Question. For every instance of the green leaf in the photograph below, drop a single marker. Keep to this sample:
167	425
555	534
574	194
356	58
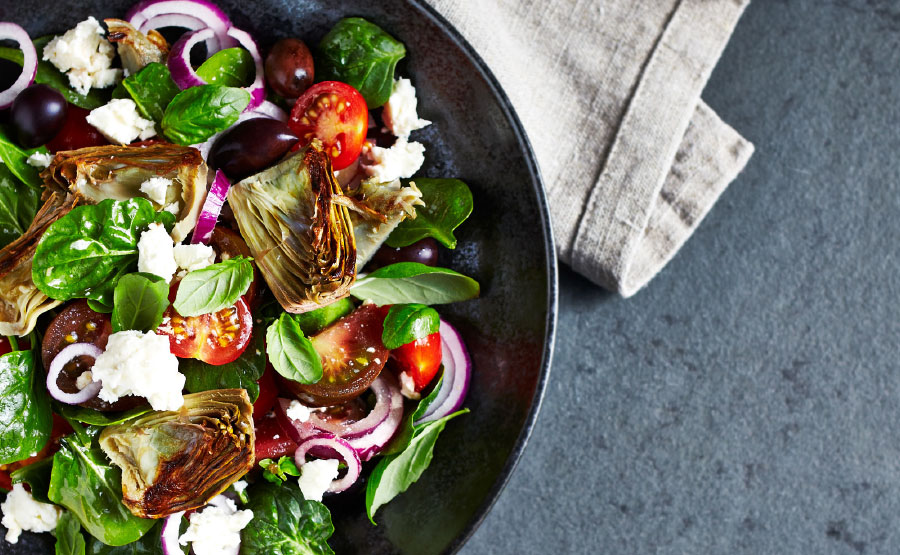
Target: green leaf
278	472
411	282
97	418
316	320
152	89
448	202
291	353
69	540
395	473
37	476
362	55
213	288
18	205
25	417
149	544
16	159
97	306
241	373
405	323
232	67
284	523
139	301
198	113
408	426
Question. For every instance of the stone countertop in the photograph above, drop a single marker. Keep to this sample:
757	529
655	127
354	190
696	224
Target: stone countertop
748	400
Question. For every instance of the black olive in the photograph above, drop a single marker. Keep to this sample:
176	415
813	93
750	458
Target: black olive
37	115
251	146
289	68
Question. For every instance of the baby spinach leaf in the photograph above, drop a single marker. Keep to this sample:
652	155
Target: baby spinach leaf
395	473
69	539
37	476
316	320
278	472
411	282
198	113
16	159
213	288
241	373
448	202
97	306
83	482
139	301
291	353
97	418
231	67
361	54
284	523
152	89
149	544
405	323
25	417
18	205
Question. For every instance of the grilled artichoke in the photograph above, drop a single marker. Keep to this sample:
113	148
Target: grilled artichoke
379	209
134	47
117	172
301	239
178	460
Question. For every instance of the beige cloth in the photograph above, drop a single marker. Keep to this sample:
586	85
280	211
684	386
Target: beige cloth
609	93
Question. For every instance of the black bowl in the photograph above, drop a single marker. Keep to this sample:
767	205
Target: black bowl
506	245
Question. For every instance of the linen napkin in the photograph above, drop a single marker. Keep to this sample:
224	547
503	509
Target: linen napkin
609	93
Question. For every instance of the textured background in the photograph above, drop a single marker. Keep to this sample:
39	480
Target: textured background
748	400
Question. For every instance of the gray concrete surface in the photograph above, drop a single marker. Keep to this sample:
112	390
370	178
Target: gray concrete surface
748	401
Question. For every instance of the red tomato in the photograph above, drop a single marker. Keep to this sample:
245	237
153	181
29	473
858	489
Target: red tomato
271	441
336	114
76	132
268	394
420	359
6	347
60	428
215	339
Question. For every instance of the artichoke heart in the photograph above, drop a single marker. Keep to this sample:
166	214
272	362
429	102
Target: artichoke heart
378	210
178	460
117	172
134	47
300	237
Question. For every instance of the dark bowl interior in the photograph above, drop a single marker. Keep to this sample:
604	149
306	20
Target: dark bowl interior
506	245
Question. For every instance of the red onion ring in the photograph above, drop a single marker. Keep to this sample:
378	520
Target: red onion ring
212	206
179	61
457	374
169	536
69	353
256	89
16	33
190	14
296	430
370	444
327	446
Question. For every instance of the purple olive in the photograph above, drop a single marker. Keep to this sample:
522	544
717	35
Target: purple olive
251	146
423	251
289	68
37	115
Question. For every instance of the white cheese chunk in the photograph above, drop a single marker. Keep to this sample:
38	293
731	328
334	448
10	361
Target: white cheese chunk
137	363
84	380
298	411
401	160
156	253
85	56
316	476
40	159
120	122
408	386
399	113
194	257
156	188
216	530
22	512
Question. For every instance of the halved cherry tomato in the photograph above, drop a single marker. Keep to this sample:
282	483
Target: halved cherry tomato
336	114
76	132
268	393
60	428
271	441
420	359
215	339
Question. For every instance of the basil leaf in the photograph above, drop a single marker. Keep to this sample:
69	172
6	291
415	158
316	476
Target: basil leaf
97	306
152	89
85	252
395	473
139	302
242	373
448	202
316	320
278	472
18	205
47	74
411	282
405	323
362	55
149	544
25	417
69	540
16	160
97	418
408	426
213	288
285	523
37	476
232	67
291	353
83	482
198	113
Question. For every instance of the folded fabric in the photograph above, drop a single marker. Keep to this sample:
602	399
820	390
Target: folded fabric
609	93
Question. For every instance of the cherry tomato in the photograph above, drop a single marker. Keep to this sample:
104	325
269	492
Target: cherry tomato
215	339
268	394
336	114
271	441
420	359
60	428
229	244
76	132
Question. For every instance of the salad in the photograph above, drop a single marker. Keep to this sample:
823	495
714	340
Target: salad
217	280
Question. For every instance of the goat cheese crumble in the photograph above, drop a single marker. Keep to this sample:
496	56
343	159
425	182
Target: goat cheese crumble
156	253
401	160
194	257
22	512
216	530
156	188
85	379
408	387
84	56
298	411
316	477
40	159
120	122
399	113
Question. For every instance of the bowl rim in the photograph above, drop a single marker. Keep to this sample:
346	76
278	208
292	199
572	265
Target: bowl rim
550	262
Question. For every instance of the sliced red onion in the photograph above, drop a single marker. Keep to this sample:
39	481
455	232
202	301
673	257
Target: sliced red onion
212	206
190	14
179	60
257	89
69	353
457	374
368	445
169	536
14	32
327	446
296	430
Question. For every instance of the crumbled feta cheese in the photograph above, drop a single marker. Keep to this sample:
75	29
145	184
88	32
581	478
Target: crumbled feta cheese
137	363
194	257
156	253
22	512
155	188
120	122
298	411
401	160
84	380
408	386
40	159
316	476
400	110
85	56
172	208
239	486
216	530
